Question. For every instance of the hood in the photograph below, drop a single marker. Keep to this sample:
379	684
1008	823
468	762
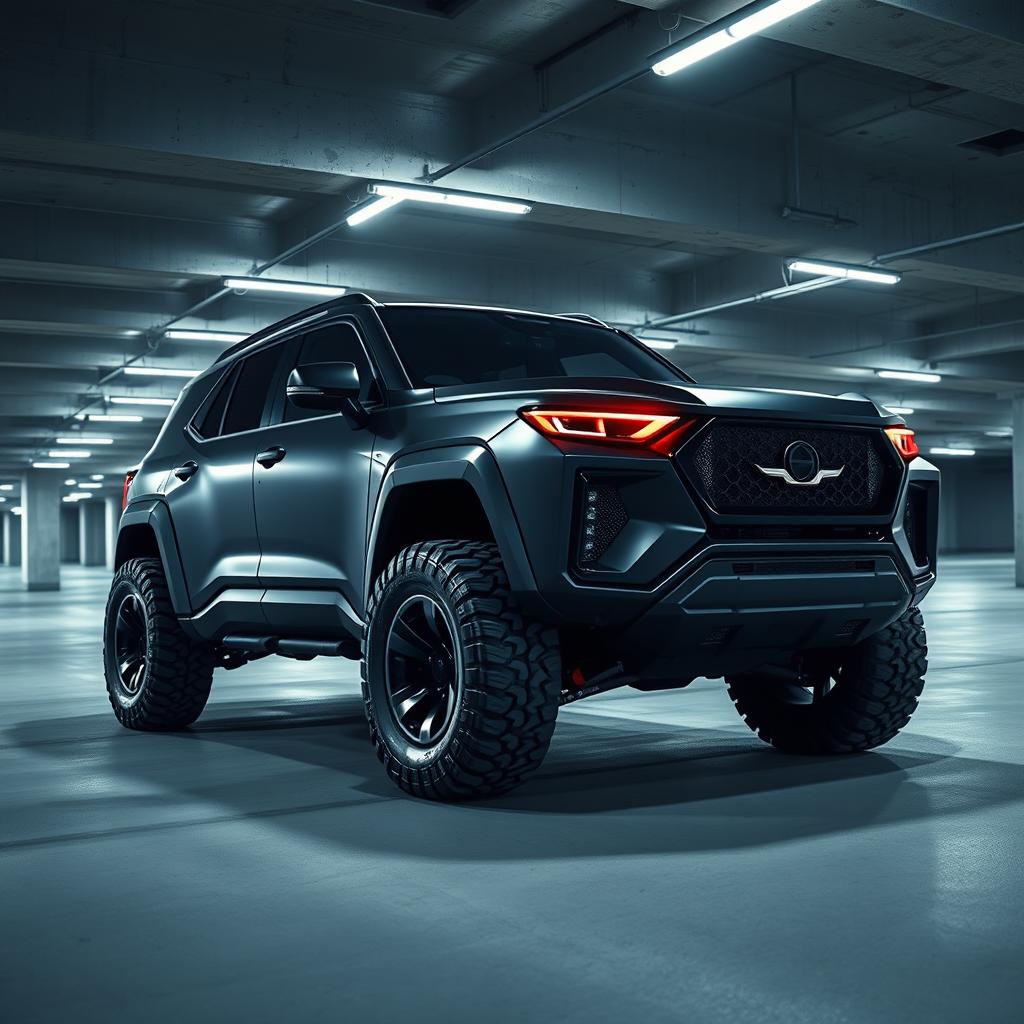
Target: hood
754	403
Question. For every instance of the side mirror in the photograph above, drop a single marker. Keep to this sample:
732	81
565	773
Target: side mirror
327	387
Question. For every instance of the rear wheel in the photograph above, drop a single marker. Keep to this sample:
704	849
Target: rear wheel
858	700
461	689
157	676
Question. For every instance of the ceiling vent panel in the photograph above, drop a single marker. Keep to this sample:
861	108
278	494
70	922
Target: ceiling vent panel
1003	143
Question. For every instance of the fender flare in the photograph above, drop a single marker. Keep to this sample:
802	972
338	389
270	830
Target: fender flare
477	466
157	516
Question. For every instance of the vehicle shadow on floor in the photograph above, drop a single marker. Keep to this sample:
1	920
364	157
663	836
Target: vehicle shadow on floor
611	785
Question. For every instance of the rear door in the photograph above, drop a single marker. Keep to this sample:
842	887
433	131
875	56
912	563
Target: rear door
210	493
311	500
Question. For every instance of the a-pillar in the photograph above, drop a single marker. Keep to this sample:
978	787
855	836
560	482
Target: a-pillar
40	530
92	532
12	539
111	519
1018	487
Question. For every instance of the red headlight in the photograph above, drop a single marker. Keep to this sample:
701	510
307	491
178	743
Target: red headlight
903	439
129	477
616	426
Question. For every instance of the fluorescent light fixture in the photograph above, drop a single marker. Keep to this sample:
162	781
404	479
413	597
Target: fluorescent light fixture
16	510
89	486
78	495
900	410
751	24
6	487
918	378
70	483
3	501
180	334
370	210
127	400
158	371
79	416
258	284
70	453
988	433
52	465
96	476
844	271
950	451
114	417
85	439
662	346
466	200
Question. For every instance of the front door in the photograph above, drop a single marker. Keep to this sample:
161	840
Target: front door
311	495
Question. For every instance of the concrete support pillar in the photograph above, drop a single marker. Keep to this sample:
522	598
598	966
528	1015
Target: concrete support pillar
40	530
1018	488
111	519
12	539
92	530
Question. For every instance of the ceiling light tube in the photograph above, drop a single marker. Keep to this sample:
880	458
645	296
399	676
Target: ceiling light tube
757	18
370	210
900	410
999	433
443	198
951	451
127	400
181	334
158	371
6	487
96	476
70	453
90	485
51	465
844	271
912	375
85	439
78	495
661	346
70	483
114	417
258	284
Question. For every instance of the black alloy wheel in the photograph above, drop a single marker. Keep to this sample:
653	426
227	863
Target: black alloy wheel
131	644
423	669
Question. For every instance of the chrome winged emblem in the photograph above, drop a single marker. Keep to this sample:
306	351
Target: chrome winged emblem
801	467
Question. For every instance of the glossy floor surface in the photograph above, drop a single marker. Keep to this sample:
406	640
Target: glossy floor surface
662	866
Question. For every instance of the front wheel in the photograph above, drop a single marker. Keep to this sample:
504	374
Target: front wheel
461	689
858	700
157	676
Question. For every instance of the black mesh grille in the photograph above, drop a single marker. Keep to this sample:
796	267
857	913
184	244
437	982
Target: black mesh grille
723	463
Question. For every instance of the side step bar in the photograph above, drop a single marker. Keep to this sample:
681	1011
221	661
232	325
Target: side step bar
289	647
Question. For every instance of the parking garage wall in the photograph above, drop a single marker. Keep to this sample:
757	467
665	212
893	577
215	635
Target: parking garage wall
977	505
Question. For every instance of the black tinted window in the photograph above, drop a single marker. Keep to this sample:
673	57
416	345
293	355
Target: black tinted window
336	343
462	346
209	417
245	409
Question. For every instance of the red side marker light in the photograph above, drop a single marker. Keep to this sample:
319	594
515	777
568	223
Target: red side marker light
129	477
903	439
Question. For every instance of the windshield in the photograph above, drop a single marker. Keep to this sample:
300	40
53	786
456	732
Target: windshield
441	347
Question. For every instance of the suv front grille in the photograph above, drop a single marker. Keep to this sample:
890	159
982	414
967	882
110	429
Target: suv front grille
722	463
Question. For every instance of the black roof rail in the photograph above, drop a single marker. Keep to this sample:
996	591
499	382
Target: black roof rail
339	302
584	316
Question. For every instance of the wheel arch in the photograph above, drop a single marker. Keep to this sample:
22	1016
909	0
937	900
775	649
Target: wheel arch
447	493
146	531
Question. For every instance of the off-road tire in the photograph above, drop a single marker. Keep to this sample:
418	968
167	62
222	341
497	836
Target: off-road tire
179	671
511	675
877	687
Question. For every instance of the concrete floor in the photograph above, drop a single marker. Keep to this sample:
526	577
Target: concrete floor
663	865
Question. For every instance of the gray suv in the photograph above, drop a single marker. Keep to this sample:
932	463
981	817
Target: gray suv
499	512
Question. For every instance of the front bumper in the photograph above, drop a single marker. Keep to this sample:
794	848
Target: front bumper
677	585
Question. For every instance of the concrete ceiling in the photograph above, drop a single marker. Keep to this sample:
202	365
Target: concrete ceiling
149	147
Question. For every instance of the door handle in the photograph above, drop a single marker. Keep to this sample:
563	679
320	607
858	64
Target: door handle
271	457
186	470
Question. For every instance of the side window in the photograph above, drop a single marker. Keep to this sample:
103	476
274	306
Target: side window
249	395
336	343
208	419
